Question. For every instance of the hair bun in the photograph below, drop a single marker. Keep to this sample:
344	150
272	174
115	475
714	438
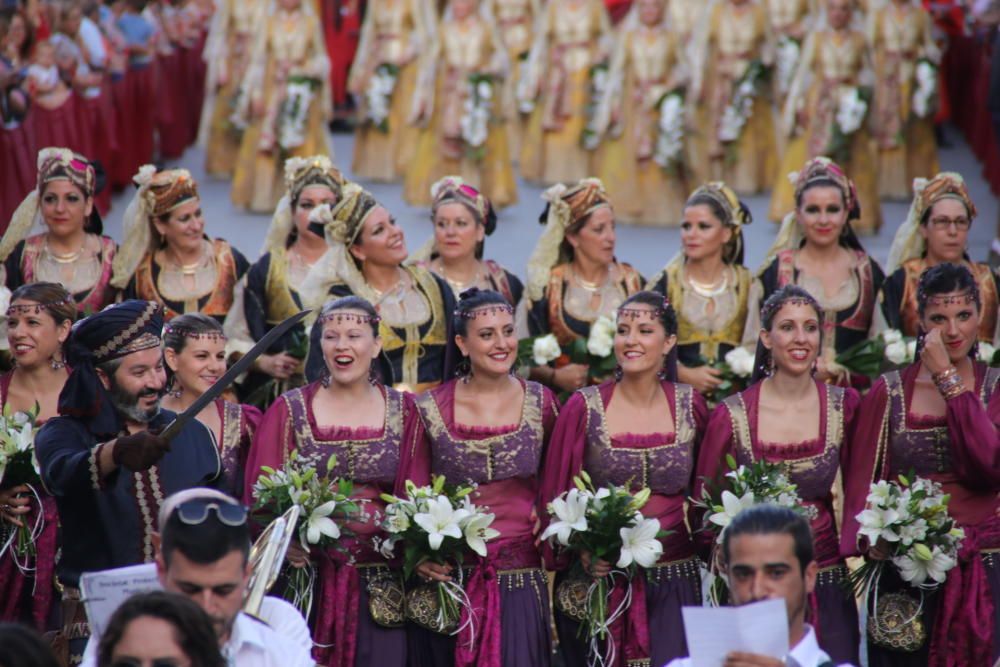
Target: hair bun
469	293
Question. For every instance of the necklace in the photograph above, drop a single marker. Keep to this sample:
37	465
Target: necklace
185	269
67	258
711	290
380	295
459	286
590	287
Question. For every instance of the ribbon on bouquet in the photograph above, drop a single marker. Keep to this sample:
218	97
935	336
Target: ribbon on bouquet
626	624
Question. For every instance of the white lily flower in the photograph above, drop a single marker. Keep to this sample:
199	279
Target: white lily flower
571	515
913	532
895	353
879	493
545	349
916	568
986	352
478	532
320	523
731	507
639	544
740	360
878	523
440	520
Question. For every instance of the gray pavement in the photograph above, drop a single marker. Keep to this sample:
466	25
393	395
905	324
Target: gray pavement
648	249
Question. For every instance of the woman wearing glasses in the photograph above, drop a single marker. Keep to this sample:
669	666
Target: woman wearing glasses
348	414
38	323
936	231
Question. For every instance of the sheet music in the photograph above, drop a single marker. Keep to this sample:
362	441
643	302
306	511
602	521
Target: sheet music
713	632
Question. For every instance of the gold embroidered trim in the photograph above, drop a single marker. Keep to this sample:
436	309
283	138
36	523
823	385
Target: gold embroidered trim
95	472
112	345
231	417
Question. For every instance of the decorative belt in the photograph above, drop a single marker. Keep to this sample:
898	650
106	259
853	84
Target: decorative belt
833	574
677	569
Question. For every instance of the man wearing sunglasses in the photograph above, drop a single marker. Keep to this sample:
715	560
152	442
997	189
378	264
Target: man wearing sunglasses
202	553
102	458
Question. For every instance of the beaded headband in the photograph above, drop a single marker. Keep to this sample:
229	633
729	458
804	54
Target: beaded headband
769	309
196	335
632	313
24	308
344	316
487	309
962	298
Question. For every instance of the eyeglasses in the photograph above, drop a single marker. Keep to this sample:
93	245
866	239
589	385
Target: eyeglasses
194	512
961	224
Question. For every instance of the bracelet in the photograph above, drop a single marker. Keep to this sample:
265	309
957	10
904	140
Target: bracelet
949	383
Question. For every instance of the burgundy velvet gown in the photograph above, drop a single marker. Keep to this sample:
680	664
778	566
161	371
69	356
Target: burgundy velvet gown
239	423
811	465
652	629
343	630
30	597
508	587
961	451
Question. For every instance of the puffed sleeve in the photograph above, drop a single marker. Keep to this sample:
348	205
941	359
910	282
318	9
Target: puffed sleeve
415	459
271	441
863	462
563	460
975	446
715	444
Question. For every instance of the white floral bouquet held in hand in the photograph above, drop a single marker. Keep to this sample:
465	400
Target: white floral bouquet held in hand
441	526
908	518
19	467
325	505
607	524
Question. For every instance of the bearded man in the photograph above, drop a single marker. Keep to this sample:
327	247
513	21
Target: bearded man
102	458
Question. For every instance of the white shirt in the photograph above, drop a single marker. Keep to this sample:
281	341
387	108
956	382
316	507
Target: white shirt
283	640
93	41
806	653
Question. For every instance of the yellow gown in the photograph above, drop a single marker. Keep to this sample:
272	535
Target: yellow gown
394	32
227	53
788	20
461	49
514	20
684	17
643	68
288	46
736	36
568	43
833	60
900	34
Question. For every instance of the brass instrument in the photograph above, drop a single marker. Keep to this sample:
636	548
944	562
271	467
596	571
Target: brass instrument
267	555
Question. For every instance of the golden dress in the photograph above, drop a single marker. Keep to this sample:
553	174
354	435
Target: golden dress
288	49
227	53
394	33
737	36
707	326
514	20
461	49
568	43
684	17
788	21
643	69
900	34
833	61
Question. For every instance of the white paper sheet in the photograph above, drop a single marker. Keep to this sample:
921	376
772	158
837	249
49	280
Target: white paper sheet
713	632
104	591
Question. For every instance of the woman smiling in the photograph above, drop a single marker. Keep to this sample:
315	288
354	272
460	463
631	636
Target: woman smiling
166	256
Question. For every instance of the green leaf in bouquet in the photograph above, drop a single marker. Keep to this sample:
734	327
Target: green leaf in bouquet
864	358
577	351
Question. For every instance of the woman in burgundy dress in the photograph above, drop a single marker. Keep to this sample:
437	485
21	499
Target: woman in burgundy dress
194	349
938	418
368	427
640	430
789	418
489	428
38	323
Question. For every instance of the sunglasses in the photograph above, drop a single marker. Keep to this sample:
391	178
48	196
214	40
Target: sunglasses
194	512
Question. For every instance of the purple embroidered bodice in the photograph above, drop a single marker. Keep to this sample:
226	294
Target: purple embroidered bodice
924	446
489	459
810	465
665	468
367	460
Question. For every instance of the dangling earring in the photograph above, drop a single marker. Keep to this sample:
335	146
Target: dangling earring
175	390
57	363
770	365
326	380
618	373
373	377
464	369
974	352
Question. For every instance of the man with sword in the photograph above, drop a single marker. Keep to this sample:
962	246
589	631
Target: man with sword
113	454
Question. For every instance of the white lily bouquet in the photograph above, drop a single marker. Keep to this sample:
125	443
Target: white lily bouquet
477	110
607	523
590	137
925	90
853	103
597	351
870	357
19	467
326	507
299	93
669	150
378	95
740	107
786	61
911	517
441	526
